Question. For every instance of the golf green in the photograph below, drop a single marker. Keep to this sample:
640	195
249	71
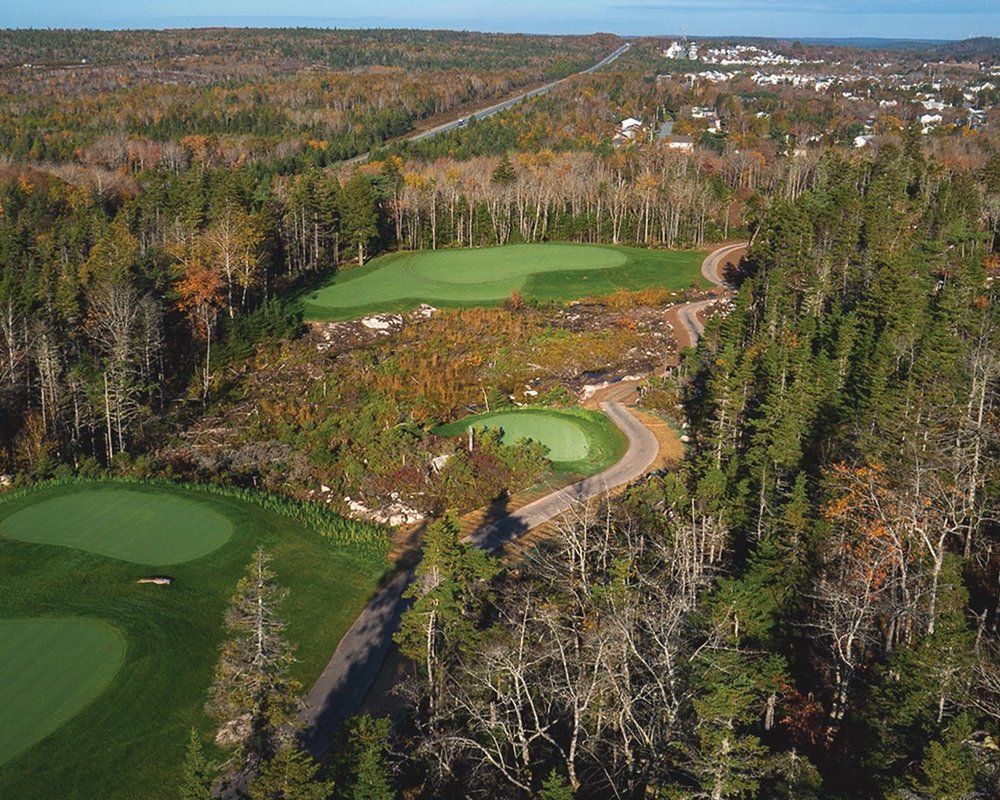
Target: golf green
50	668
564	436
579	441
144	526
484	276
102	677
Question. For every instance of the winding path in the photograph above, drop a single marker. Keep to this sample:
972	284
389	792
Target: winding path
713	269
340	690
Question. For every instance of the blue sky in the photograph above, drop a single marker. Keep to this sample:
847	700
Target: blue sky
920	19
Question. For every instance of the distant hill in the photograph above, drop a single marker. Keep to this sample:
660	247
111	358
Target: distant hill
874	43
981	47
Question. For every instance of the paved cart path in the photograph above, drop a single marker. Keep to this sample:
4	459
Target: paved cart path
350	673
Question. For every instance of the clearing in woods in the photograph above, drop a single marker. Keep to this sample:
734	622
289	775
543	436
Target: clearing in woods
488	276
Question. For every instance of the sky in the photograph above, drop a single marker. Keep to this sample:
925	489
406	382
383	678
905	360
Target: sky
897	19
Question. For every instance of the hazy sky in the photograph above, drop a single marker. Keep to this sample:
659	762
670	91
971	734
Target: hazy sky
919	19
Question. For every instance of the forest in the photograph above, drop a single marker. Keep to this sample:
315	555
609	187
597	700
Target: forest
808	606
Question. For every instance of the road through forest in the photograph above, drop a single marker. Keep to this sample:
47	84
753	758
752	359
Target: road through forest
489	111
351	671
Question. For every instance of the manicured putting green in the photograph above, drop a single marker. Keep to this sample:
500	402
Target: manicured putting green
580	442
51	668
142	526
129	739
483	276
563	435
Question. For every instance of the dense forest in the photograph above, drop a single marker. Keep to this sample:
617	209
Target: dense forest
807	606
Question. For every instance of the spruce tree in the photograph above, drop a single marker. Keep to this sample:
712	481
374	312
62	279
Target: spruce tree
253	697
198	772
291	774
360	761
447	599
555	787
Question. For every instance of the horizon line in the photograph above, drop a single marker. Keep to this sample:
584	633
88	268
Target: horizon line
253	25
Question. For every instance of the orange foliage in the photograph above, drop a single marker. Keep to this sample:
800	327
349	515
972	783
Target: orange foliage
200	295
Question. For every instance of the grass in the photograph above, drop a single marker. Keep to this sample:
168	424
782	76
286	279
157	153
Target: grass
51	669
151	526
580	442
129	742
473	277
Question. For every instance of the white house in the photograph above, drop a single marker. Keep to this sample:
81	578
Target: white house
676	50
928	121
627	131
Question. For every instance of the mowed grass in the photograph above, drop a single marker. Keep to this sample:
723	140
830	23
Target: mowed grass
487	276
580	442
51	668
129	741
151	526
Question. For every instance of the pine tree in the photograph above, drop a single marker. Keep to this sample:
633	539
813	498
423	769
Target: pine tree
253	697
447	601
948	767
291	774
555	787
359	214
360	760
504	174
198	774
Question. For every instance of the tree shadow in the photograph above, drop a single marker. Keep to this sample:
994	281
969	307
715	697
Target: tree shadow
498	508
735	272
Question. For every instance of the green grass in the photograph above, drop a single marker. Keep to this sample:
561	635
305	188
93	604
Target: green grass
146	526
129	741
471	277
580	442
51	668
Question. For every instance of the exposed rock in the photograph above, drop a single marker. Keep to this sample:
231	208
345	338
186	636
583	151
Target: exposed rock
233	732
394	514
438	462
383	322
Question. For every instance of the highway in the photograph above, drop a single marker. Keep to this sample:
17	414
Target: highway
489	111
496	109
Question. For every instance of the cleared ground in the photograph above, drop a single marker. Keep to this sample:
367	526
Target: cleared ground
486	276
579	442
146	526
50	668
128	741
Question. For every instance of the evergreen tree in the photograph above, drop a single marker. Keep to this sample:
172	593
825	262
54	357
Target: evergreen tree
948	770
504	174
291	774
198	774
447	600
555	787
359	214
360	760
253	697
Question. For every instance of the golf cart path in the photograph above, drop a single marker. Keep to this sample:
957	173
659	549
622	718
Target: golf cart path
351	671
